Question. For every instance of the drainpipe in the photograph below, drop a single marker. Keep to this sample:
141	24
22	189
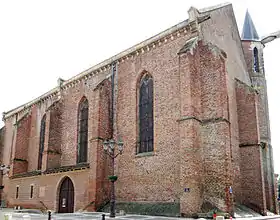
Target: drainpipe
114	70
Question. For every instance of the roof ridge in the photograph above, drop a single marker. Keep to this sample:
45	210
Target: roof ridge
114	58
104	63
214	7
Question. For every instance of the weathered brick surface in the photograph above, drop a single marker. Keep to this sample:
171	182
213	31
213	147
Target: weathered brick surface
60	148
252	171
152	178
191	152
222	30
2	135
191	169
52	152
259	83
206	93
202	115
8	142
20	154
224	33
215	132
37	113
247	114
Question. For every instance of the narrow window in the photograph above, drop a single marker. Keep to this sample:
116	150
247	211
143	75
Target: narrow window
17	189
31	191
256	60
82	131
146	119
279	191
42	141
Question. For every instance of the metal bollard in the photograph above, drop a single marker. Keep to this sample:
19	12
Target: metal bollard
103	217
26	217
49	215
7	216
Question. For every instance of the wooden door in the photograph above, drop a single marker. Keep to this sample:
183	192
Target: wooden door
66	196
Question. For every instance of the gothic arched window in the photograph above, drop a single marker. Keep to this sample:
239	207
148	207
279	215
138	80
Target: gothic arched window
42	141
82	131
146	115
256	60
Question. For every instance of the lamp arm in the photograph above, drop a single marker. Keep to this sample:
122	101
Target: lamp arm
117	154
111	155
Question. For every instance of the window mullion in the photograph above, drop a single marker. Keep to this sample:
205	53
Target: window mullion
83	132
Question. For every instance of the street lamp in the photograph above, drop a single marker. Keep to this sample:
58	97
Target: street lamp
109	149
270	37
4	168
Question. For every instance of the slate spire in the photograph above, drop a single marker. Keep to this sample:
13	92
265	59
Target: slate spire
249	31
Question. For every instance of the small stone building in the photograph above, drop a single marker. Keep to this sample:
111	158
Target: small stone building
190	105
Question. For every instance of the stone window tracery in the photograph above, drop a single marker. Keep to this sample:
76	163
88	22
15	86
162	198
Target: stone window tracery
256	60
42	141
146	119
82	131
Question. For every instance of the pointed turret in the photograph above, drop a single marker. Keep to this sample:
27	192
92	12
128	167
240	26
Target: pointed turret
253	48
249	31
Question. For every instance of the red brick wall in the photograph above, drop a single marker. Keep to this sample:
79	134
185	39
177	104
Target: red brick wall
20	156
215	134
248	53
53	136
247	114
200	118
8	140
37	114
191	153
205	132
2	133
152	178
61	135
252	177
222	31
104	165
259	82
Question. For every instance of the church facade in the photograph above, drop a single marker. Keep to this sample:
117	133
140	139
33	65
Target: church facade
189	104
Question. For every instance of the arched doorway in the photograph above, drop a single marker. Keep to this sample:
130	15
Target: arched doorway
66	196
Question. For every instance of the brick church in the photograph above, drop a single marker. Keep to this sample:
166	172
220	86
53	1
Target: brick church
190	105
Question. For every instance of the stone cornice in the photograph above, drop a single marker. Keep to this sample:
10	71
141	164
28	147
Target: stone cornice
26	107
24	116
104	67
252	89
204	121
250	144
76	167
27	174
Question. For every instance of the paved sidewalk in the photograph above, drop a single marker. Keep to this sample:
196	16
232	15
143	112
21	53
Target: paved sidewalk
98	215
77	215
